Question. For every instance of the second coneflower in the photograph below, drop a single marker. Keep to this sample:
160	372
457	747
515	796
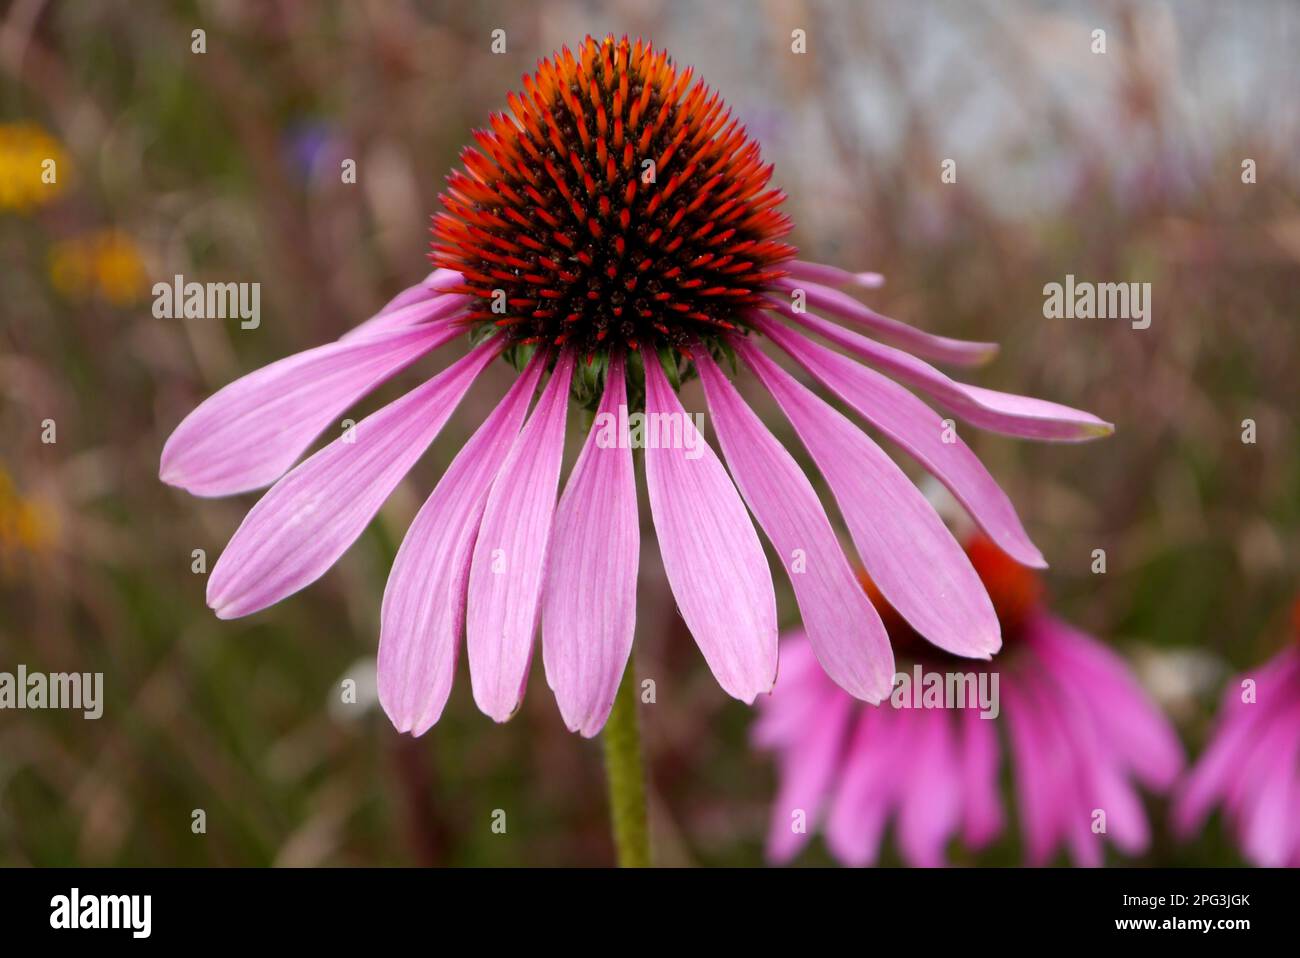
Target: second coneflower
612	236
1250	768
1081	733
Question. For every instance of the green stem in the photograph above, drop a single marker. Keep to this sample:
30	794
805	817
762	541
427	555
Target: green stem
626	776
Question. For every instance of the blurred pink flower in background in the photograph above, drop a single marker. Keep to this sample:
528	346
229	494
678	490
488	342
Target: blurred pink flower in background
1080	733
1251	768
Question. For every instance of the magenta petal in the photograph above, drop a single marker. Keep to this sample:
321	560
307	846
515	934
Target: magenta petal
424	602
918	429
423	303
712	556
589	613
981	803
1239	723
786	713
435	284
957	351
420	292
1132	726
310	517
508	568
247	434
1106	786
831	275
1071	791
930	811
841	623
1267	817
907	550
806	774
1037	774
868	785
1005	413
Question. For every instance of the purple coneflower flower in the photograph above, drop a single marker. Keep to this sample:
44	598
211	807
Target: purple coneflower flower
1252	765
615	236
1080	731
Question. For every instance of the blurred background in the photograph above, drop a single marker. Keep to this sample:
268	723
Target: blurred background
224	166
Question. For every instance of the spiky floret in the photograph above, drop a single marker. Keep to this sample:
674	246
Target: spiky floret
620	205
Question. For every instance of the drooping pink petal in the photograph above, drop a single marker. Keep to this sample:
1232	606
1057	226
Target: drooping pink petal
831	275
1074	793
1239	723
509	564
419	293
436	283
247	434
1133	728
841	623
1107	788
956	351
423	611
981	803
907	550
867	790
1038	776
805	775
803	684
930	811
1266	816
589	611
712	556
1216	767
440	280
1005	413
919	430
425	302
310	517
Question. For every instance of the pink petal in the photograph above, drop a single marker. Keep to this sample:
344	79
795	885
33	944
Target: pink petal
1072	768
1005	413
711	554
1215	769
982	804
1104	785
1238	724
803	685
1268	825
310	517
435	284
831	275
908	551
506	575
806	775
919	430
841	623
957	351
424	602
867	789
1129	722
590	603
247	434
929	813
1038	774
423	303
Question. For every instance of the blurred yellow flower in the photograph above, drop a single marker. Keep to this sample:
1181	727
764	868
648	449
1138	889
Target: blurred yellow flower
33	167
26	526
107	264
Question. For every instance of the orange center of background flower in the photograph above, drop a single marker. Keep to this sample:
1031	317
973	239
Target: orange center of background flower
1014	590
